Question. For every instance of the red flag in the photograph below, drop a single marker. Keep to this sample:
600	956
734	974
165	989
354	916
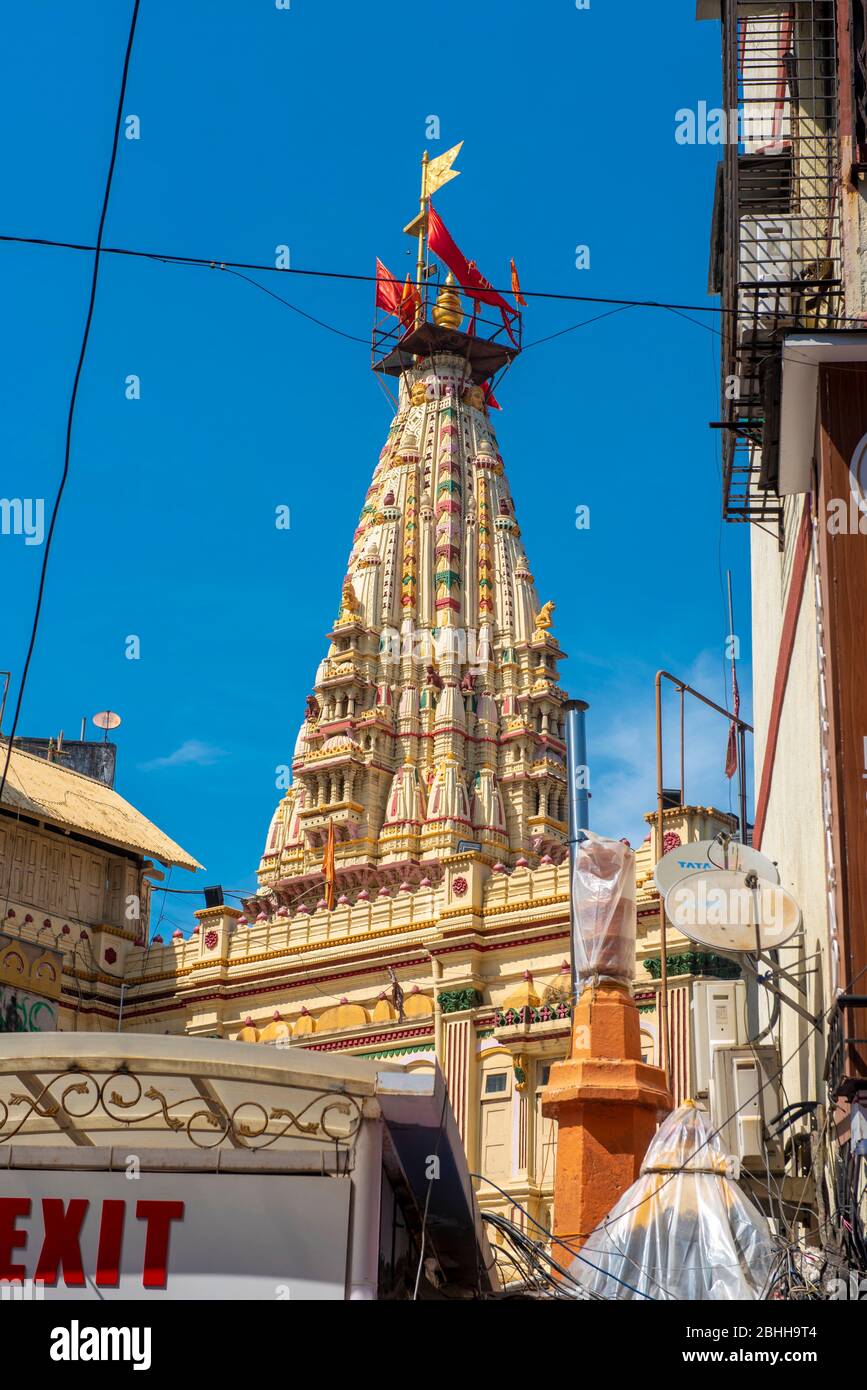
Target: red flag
516	285
732	748
388	290
490	398
328	867
467	273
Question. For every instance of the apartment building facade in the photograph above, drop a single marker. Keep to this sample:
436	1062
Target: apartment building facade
789	260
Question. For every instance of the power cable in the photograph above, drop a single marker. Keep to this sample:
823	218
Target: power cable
216	263
97	249
168	258
352	337
434	1168
550	1234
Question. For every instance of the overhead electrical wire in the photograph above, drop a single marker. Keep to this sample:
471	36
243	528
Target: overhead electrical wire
560	1241
352	337
217	263
97	250
237	267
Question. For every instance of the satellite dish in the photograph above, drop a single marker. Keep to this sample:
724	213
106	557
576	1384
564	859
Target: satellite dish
705	856
732	910
106	719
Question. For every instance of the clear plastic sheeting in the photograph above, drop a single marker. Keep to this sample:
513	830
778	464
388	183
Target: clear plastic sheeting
684	1230
603	890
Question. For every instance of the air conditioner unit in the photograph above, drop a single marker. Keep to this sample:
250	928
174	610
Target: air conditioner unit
767	252
718	1018
745	1082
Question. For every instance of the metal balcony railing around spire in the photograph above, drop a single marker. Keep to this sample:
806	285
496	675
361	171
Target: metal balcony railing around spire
472	330
776	242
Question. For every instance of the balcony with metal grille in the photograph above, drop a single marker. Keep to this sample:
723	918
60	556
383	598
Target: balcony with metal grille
776	240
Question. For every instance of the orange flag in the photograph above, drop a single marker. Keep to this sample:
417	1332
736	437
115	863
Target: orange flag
732	745
328	867
409	303
516	286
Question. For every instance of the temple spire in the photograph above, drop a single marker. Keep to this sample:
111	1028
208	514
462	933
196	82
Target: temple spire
436	715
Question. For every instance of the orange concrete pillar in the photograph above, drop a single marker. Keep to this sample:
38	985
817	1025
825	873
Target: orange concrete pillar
606	1102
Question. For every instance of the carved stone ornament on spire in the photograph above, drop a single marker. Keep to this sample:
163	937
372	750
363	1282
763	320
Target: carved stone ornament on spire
543	622
350	608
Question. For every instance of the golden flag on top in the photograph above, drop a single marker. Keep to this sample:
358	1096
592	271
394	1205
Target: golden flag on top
328	867
440	170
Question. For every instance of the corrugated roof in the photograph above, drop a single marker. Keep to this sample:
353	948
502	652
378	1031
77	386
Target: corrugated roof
48	792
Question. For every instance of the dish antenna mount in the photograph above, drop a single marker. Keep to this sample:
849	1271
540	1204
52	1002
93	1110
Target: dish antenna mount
736	911
106	719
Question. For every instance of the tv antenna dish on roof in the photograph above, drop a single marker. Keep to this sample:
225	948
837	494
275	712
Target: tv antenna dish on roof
106	719
730	910
704	856
743	914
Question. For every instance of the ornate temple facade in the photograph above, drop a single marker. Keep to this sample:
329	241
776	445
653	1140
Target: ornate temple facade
428	800
433	744
413	898
429	767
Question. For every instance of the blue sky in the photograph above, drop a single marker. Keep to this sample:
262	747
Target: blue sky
261	127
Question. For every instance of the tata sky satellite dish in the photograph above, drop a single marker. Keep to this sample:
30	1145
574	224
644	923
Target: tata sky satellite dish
706	856
730	910
106	719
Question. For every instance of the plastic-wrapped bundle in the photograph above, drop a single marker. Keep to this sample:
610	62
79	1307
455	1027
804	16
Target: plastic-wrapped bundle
603	889
684	1230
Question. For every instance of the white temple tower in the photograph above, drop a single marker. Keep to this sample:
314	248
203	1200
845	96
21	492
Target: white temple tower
435	717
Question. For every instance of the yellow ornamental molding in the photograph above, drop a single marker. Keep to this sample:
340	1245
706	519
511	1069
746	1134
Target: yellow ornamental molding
201	968
31	969
14	966
417	1006
383	1011
276	1030
343	1015
525	905
45	976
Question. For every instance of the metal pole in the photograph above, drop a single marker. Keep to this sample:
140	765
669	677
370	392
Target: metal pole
7	676
682	749
579	802
362	1275
742	782
419	266
711	704
741	740
660	843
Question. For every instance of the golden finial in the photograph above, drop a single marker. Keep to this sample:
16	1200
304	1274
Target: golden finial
448	312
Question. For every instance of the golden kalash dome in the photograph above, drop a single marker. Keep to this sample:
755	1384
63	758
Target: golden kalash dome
448	311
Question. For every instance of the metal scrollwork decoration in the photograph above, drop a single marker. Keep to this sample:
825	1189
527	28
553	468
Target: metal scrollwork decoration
80	1095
